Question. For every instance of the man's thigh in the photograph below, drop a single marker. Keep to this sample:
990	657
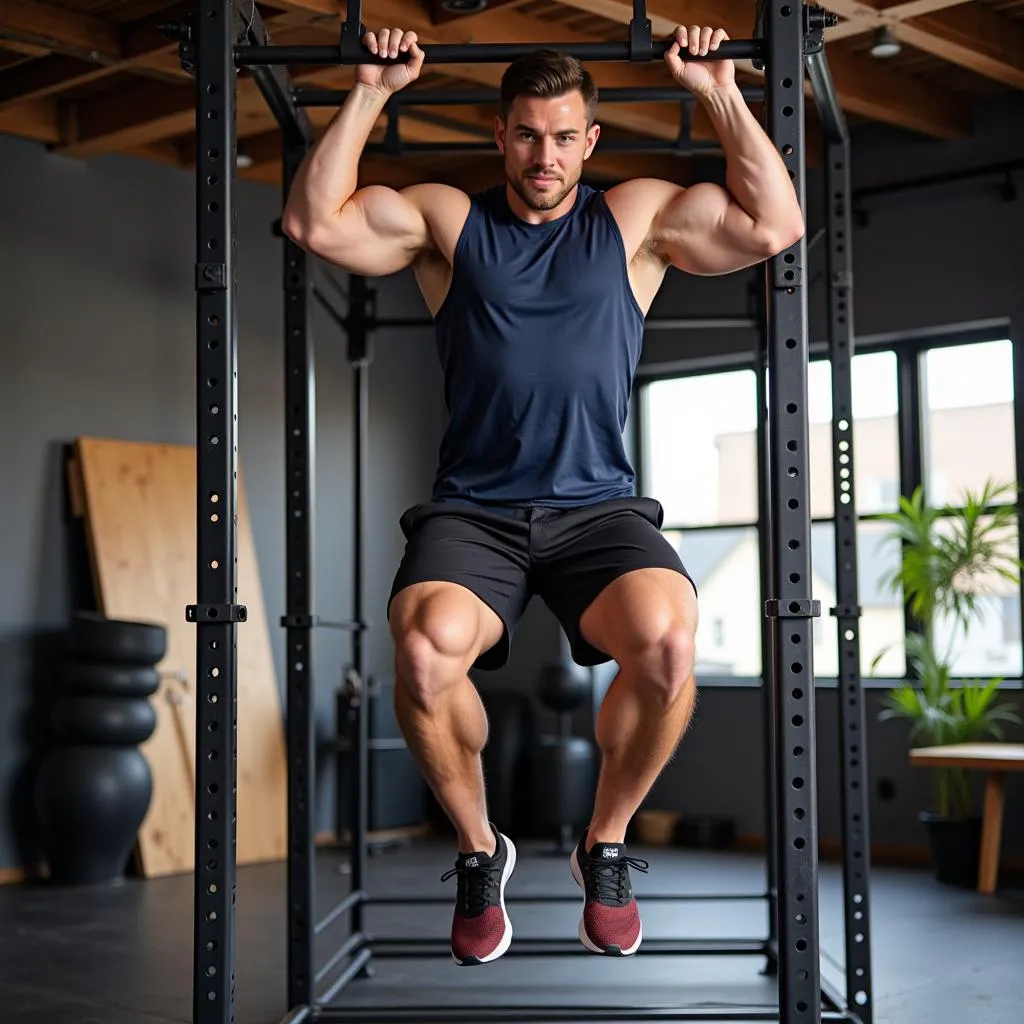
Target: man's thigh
483	552
604	568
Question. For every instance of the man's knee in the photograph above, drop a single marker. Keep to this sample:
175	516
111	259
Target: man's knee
437	639
662	657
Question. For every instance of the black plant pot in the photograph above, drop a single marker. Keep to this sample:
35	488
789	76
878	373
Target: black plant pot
955	845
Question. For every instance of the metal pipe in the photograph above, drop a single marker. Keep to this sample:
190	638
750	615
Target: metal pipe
567	898
413	97
349	901
526	1014
485	53
707	323
486	147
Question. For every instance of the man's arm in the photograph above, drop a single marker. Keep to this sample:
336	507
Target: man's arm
707	229
375	230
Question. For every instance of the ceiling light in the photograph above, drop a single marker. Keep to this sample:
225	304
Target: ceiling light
243	160
885	44
464	6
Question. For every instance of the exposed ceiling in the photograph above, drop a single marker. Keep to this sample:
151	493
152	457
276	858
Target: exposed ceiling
91	77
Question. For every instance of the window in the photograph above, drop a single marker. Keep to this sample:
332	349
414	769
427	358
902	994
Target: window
881	619
991	646
967	392
876	467
700	459
724	564
700	448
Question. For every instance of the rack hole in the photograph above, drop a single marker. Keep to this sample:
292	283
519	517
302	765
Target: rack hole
794	577
787	111
787	83
798	694
798	783
798	814
798	720
793	545
798	843
791	407
793	503
798	751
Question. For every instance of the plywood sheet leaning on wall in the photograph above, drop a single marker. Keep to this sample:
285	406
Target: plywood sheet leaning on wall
139	505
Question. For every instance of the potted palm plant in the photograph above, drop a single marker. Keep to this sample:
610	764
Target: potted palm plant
953	558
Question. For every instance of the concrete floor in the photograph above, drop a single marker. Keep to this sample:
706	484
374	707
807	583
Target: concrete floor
123	955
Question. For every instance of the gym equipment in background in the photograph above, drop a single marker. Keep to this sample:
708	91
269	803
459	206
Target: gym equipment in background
564	766
94	786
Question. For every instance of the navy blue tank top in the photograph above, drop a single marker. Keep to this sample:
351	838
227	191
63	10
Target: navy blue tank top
539	338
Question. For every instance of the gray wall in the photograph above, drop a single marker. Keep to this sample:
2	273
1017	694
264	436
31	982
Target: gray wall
97	328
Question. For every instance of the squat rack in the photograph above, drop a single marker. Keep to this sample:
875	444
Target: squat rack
230	34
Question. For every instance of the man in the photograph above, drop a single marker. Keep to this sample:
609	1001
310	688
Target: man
538	289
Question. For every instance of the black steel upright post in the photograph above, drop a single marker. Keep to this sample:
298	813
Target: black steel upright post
791	610
216	611
300	506
766	561
361	315
850	693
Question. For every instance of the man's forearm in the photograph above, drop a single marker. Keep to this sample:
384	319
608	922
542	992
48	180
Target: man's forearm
330	172
755	174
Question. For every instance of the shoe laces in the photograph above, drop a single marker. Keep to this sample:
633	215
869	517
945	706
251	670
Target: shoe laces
475	886
609	880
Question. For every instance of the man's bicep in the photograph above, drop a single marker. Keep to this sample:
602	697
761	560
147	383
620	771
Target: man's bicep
703	230
379	231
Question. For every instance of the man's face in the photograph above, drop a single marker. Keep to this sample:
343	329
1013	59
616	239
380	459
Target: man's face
545	142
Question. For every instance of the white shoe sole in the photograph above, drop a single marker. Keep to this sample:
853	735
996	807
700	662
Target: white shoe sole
584	937
506	940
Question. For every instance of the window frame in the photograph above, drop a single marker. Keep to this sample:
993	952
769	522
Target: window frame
909	348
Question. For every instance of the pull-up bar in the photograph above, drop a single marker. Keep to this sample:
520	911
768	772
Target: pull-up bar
641	47
485	53
311	97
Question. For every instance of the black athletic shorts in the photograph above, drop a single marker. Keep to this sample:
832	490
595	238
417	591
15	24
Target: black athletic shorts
565	556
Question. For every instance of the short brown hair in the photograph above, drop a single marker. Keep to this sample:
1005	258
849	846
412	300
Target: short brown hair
545	74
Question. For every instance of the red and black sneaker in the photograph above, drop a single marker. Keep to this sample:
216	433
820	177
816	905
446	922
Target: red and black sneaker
481	929
611	919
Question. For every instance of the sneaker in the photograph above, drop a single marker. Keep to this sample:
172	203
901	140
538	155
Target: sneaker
611	919
481	929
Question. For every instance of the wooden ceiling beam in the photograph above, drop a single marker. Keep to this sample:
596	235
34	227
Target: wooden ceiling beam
58	28
141	45
38	120
894	12
974	38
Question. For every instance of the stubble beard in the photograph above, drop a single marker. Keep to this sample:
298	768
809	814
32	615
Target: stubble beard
541	200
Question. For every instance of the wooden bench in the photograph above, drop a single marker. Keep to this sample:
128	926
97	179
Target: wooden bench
997	759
